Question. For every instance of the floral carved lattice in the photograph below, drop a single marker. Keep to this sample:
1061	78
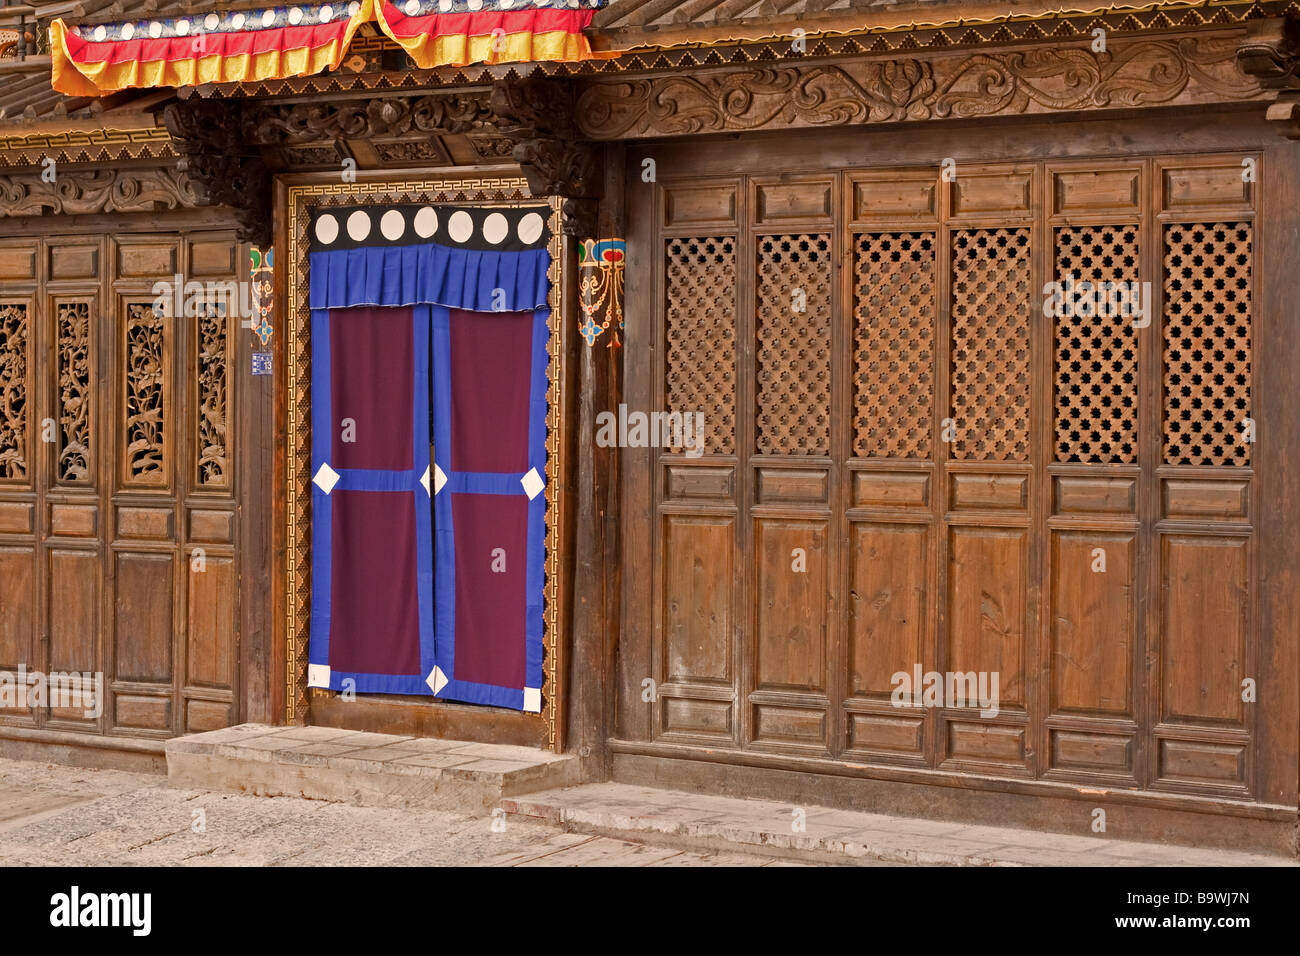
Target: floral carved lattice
146	451
794	345
75	392
990	344
1096	345
13	392
1207	285
700	320
212	373
894	304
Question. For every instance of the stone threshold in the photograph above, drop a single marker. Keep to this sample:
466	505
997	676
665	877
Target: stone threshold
364	769
823	835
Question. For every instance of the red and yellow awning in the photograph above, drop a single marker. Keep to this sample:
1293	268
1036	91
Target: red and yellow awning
279	42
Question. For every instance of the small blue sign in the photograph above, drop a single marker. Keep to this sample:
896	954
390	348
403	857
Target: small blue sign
262	363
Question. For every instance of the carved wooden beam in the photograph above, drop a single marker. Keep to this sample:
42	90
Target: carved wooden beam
222	166
1271	53
87	191
1197	68
296	124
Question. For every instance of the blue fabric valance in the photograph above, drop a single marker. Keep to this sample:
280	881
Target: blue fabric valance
431	274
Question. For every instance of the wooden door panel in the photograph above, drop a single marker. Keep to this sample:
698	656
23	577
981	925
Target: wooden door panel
211	621
888	606
74	617
144	617
987	578
18	604
791	558
698	613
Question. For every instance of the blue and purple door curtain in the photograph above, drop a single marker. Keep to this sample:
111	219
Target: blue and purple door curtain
429	391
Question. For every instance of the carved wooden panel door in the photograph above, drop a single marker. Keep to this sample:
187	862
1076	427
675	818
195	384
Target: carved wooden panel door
117	481
933	448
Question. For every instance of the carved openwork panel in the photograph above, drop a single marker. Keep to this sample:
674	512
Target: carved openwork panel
1207	283
212	369
145	459
990	344
1096	347
894	304
14	388
794	344
700	284
76	393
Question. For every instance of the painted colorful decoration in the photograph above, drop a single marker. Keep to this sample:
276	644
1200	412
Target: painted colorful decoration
261	265
429	382
297	40
600	286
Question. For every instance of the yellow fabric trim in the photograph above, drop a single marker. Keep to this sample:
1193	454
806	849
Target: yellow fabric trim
458	49
96	79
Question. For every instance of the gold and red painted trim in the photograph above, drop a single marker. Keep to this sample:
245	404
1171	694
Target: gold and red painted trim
303	39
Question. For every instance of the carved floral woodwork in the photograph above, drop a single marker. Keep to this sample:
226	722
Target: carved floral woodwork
75	392
81	192
281	124
146	452
1187	70
212	371
14	330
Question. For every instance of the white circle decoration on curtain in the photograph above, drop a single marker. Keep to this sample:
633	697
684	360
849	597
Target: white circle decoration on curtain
358	225
460	226
530	228
268	18
238	21
155	29
327	229
211	21
326	13
99	34
295	16
392	225
412	7
426	222
495	228
128	31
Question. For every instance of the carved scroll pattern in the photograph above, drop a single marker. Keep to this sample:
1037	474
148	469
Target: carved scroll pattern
1096	354
14	388
990	344
1207	343
701	319
794	345
894	307
212	368
146	447
75	392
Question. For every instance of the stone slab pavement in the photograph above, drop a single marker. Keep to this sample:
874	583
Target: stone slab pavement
55	815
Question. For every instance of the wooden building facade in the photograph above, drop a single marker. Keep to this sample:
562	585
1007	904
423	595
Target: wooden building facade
984	313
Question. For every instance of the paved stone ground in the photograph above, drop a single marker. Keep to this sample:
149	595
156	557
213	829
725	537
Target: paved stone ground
52	815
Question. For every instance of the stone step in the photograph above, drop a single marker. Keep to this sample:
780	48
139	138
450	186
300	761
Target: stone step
364	769
823	835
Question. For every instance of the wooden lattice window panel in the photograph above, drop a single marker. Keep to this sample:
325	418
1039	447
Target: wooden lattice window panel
145	386
13	392
76	388
894	304
990	344
1096	344
700	318
1207	272
794	345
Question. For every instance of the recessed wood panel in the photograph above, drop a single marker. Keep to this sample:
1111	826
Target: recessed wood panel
212	598
16	517
1195	761
894	198
701	483
1091	752
74	262
1204	594
792	202
876	732
1006	192
699	577
891	489
211	257
212	527
17	263
887	604
144	523
74	521
789	725
995	743
74	621
142	712
1205	186
1093	621
17	607
146	259
997	492
987	578
144	624
1099	190
780	485
791	583
699	205
1215	500
685	715
204	715
1078	495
